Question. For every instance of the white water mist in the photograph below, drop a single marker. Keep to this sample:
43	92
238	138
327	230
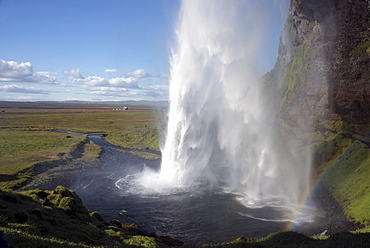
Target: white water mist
220	132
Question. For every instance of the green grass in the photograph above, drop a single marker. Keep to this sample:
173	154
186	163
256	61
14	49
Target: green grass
345	166
27	153
350	182
58	218
64	173
26	144
18	149
294	240
19	238
98	120
146	155
139	138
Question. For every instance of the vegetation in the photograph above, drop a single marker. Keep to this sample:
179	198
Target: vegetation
101	119
139	138
293	239
361	48
345	163
29	148
18	149
146	155
296	73
59	219
24	153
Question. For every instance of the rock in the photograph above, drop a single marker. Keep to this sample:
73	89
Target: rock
42	194
323	64
20	217
67	200
169	241
244	239
116	223
98	216
10	197
37	212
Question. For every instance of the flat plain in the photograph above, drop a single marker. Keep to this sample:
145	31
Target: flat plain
27	137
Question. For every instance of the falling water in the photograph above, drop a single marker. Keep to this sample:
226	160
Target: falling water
220	131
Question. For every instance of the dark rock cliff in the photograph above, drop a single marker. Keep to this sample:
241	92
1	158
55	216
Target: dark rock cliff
350	66
321	83
323	66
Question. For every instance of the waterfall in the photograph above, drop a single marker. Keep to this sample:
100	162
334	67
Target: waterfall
220	130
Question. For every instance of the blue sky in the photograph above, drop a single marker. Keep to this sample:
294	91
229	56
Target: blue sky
93	50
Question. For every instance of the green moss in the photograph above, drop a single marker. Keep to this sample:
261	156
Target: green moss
350	182
293	240
91	151
139	138
19	238
146	155
141	241
361	48
21	149
344	160
296	73
58	218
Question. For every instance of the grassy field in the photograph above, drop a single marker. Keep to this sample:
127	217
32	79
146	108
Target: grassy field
81	118
26	140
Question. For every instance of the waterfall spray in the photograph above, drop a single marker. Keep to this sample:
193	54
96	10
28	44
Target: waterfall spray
220	132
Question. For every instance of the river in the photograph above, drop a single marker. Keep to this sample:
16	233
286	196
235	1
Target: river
197	215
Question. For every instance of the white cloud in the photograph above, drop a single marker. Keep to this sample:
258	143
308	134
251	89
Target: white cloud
22	89
163	76
124	82
47	73
73	73
92	81
111	70
108	91
151	93
19	98
74	76
156	87
139	73
11	71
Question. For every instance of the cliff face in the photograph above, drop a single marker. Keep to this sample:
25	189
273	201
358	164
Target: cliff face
324	65
322	77
350	68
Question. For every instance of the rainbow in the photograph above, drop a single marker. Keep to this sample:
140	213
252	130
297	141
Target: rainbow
310	192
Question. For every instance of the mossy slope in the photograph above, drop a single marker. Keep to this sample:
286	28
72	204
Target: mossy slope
345	167
58	218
